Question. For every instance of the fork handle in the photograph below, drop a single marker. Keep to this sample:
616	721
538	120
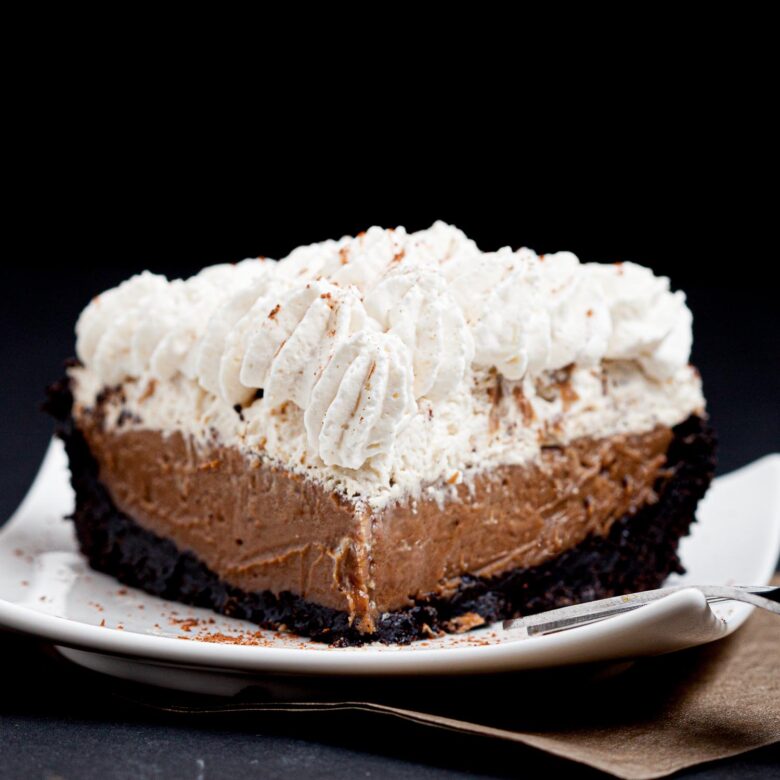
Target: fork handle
764	596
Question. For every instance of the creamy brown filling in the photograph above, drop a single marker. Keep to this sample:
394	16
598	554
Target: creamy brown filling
259	527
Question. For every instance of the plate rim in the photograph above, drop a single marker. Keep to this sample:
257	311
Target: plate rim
329	660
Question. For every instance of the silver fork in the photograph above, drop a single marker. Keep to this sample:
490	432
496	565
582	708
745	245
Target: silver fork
593	611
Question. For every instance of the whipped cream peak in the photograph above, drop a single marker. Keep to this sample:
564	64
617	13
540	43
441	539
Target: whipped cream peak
358	261
580	322
294	338
443	245
221	325
103	314
415	304
361	401
193	301
513	329
650	324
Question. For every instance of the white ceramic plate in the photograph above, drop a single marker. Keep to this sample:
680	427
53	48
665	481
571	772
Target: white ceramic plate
47	590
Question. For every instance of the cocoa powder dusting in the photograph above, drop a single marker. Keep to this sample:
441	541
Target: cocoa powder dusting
148	392
524	405
495	393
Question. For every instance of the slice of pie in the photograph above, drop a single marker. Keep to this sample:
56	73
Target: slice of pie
387	436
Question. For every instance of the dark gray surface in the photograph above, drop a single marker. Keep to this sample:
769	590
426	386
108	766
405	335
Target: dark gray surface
60	721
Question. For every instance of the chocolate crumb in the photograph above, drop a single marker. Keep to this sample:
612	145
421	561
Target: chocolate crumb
465	622
185	624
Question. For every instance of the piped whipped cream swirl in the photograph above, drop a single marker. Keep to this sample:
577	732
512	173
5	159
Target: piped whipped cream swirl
222	349
294	339
415	305
361	400
531	313
151	324
352	332
650	324
358	261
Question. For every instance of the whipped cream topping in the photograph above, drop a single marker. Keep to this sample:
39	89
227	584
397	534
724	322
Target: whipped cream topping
365	337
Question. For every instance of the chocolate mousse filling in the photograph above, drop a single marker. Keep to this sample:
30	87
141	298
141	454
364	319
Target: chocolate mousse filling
217	528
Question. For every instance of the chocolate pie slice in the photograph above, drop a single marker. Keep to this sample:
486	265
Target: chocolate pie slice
387	436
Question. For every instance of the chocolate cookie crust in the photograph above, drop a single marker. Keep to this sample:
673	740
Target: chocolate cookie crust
639	552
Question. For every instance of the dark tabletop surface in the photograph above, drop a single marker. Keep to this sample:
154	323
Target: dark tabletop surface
57	721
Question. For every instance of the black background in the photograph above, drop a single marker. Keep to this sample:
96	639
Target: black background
108	180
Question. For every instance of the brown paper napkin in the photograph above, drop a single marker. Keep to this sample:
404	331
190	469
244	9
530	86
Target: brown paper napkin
641	720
